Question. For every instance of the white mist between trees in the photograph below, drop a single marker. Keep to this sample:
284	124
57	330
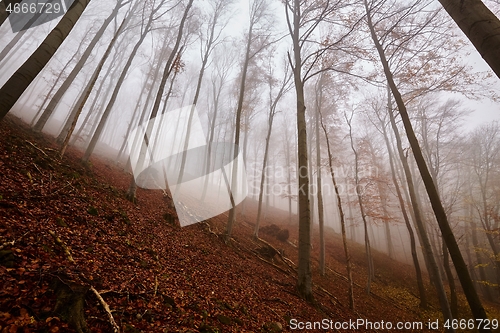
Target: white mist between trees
280	187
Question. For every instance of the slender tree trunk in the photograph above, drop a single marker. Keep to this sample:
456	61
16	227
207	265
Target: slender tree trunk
321	219
22	78
451	281
239	109
424	237
304	281
342	219
263	174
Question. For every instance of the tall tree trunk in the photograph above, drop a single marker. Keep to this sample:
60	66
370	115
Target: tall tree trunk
263	179
304	281
22	78
480	25
458	261
75	71
321	219
342	220
431	262
451	281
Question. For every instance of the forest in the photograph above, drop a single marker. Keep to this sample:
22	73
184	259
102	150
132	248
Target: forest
249	166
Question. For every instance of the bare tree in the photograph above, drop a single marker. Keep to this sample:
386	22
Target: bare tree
358	190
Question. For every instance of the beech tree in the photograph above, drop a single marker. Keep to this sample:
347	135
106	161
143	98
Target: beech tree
77	69
358	191
383	123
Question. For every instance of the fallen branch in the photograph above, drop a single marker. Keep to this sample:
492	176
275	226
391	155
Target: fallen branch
105	305
210	229
156	285
61	244
11	243
37	148
287	261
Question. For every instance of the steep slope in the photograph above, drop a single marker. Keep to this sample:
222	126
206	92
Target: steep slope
66	227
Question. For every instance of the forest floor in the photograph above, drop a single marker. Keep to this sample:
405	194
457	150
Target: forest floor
66	226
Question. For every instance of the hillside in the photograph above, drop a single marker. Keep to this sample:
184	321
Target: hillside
66	230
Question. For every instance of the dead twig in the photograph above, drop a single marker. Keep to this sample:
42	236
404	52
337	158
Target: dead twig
105	305
62	245
36	167
40	150
156	285
11	243
287	261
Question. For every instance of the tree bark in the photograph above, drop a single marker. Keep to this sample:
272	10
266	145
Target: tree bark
304	281
321	218
480	25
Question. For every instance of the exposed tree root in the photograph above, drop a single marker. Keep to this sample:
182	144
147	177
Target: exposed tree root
105	305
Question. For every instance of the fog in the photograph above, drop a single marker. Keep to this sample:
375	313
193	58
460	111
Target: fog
449	91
